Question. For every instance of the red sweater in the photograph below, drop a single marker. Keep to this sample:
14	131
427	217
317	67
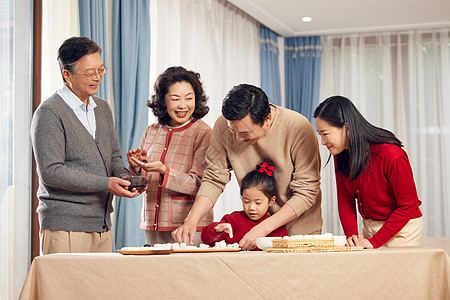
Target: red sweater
385	191
241	224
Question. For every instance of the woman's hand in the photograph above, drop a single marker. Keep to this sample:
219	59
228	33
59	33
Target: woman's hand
134	156
152	166
365	243
353	241
358	241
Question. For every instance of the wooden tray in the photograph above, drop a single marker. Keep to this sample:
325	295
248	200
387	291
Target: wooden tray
297	243
187	250
145	252
314	249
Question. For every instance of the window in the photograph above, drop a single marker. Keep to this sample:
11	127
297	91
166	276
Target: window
15	149
7	94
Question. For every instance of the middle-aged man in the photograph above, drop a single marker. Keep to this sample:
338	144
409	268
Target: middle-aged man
78	158
250	131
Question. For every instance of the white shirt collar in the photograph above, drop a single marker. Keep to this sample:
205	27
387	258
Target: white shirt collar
73	101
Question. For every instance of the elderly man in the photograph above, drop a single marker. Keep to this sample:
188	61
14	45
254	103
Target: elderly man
78	158
250	131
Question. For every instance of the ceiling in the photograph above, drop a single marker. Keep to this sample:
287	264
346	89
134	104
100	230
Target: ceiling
346	16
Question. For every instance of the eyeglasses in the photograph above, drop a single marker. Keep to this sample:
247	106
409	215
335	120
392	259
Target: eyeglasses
242	133
100	72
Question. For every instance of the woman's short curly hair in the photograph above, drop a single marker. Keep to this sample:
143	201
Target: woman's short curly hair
171	76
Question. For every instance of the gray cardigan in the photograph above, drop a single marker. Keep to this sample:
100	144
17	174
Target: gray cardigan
73	168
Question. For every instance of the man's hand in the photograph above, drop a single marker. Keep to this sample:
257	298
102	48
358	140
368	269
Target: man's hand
248	241
278	219
119	187
185	233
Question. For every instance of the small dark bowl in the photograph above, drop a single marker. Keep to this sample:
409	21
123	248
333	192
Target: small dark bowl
138	181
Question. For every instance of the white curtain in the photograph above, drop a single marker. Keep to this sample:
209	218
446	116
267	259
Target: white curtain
15	150
215	39
60	21
399	81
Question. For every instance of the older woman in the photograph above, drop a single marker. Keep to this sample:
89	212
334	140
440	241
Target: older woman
173	151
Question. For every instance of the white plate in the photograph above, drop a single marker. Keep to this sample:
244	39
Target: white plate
265	242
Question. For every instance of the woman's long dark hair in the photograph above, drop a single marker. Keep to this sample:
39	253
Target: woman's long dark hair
339	111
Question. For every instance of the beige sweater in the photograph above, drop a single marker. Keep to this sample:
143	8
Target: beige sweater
292	145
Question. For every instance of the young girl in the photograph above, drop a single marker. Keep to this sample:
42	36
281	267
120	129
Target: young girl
258	192
373	169
173	151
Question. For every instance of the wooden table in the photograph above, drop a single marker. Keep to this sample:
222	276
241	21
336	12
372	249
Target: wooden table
385	273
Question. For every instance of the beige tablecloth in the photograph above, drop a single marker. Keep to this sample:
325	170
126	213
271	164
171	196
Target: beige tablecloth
387	273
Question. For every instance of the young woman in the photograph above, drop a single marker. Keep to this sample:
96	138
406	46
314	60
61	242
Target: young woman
258	193
173	151
374	171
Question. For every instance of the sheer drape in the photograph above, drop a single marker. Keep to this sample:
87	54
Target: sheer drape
131	63
270	68
7	92
57	26
215	39
302	73
93	25
399	81
15	146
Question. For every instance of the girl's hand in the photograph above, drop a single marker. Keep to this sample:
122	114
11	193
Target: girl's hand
225	227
